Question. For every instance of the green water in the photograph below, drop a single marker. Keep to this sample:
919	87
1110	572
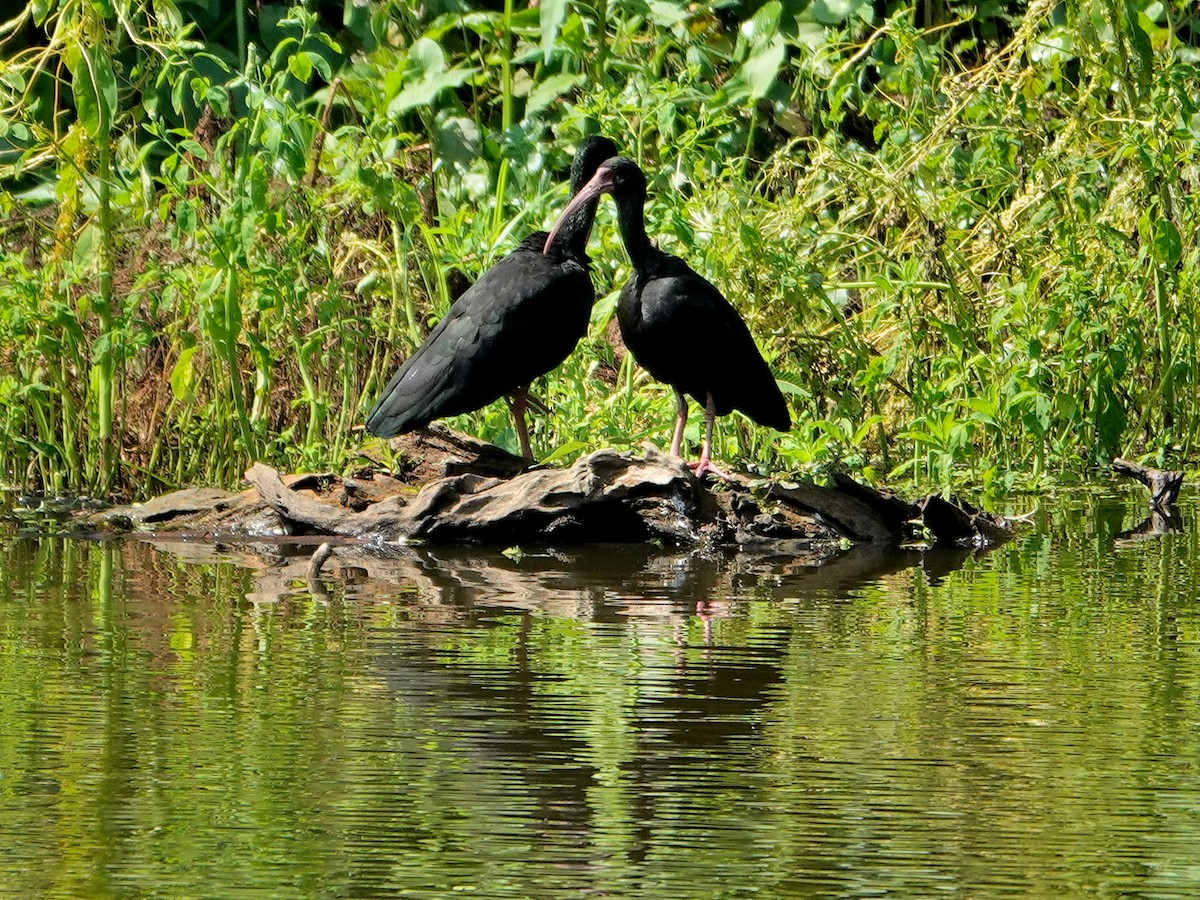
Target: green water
184	721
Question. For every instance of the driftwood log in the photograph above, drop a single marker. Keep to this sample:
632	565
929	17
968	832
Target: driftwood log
1163	485
462	490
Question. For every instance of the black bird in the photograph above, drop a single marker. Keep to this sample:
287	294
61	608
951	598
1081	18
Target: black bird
677	324
518	321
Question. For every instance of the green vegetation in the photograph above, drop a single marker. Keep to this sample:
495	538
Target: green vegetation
965	236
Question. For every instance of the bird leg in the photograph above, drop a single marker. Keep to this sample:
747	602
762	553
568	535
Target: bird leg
699	469
680	424
537	404
518	402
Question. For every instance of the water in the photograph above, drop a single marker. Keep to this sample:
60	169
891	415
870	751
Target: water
184	721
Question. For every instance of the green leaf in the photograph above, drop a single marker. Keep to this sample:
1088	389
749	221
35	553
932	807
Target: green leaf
105	84
565	450
166	13
549	90
185	217
865	428
1168	246
834	12
427	56
87	246
83	89
357	19
300	66
321	64
604	309
552	14
429	78
763	27
809	34
758	72
183	376
194	148
667	14
1140	41
13	79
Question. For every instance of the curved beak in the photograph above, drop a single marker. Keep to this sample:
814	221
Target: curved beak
601	182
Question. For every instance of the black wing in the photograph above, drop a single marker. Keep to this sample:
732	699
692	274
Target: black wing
520	320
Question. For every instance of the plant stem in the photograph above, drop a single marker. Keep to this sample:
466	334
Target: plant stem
229	346
601	38
240	12
97	30
506	113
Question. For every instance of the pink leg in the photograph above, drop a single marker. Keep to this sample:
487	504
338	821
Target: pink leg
680	424
518	403
705	464
704	613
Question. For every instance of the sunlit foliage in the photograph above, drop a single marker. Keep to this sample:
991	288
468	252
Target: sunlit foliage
965	236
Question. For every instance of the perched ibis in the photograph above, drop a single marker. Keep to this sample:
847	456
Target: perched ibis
676	324
518	321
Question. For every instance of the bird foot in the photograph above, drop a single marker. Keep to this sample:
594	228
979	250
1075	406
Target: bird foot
705	466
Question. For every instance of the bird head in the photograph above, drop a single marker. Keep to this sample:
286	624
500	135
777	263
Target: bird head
619	176
593	151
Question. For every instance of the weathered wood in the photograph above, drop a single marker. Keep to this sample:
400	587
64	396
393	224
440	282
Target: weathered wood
892	511
317	560
958	522
846	512
440	452
605	496
1163	485
948	523
185	508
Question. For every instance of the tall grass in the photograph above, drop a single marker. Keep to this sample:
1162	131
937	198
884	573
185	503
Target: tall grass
965	240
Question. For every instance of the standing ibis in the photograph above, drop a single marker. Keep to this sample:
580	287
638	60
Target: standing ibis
677	325
518	321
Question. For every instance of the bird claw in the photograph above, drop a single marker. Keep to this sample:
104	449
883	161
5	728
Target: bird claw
704	467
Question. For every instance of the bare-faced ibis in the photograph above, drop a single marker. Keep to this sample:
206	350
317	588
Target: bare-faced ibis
677	325
522	318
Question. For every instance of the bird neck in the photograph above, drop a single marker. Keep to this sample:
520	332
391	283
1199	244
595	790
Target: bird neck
632	221
572	237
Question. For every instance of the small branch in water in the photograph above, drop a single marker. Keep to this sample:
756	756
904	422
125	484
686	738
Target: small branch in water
1164	486
318	559
958	522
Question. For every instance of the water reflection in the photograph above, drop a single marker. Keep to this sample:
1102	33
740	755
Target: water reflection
1155	525
594	583
188	720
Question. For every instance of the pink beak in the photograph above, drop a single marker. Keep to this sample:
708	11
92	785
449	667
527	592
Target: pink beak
601	182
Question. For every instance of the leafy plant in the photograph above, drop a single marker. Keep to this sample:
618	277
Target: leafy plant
964	236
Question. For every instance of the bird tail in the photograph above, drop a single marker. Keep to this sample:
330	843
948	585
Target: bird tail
406	403
766	406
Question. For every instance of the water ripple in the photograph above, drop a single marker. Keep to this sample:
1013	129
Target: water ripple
202	722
